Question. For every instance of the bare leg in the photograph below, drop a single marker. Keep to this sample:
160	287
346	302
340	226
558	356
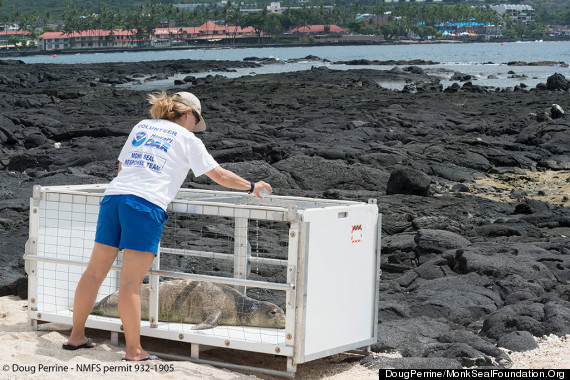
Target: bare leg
135	266
102	259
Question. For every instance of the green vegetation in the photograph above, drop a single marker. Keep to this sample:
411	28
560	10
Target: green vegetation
432	14
546	17
58	7
146	16
520	31
142	16
421	20
13	40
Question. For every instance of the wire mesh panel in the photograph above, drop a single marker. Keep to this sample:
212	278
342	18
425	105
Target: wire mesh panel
206	244
66	232
229	248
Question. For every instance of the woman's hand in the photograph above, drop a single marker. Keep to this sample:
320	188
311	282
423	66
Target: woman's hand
231	180
259	186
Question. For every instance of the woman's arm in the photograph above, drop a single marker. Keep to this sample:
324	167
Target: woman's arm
231	180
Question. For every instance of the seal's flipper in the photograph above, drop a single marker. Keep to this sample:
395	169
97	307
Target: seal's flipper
211	321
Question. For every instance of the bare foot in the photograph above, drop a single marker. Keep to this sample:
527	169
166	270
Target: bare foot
80	342
142	357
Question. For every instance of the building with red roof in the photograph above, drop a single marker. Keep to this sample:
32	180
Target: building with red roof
6	34
89	39
168	36
318	29
174	36
117	38
238	31
208	31
322	33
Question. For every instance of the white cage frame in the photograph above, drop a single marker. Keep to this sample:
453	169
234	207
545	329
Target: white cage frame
333	266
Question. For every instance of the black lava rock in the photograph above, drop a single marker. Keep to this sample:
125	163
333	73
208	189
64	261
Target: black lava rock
518	341
461	270
557	82
408	181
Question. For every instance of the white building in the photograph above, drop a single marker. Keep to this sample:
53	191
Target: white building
191	7
407	1
88	39
275	7
517	13
186	7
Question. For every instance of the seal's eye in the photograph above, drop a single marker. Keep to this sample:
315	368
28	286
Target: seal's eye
271	313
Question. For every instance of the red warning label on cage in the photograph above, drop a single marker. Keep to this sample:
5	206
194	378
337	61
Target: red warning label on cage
356	234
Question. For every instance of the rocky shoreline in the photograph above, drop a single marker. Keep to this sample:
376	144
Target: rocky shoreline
475	250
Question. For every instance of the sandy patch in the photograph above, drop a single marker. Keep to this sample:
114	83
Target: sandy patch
553	352
548	186
31	350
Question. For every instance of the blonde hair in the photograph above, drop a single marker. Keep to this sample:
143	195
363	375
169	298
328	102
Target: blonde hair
166	107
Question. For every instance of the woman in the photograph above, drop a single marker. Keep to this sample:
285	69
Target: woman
152	166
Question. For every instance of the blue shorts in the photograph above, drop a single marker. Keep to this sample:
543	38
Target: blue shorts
130	222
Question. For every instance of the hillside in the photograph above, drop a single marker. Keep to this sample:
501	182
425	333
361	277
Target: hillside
56	7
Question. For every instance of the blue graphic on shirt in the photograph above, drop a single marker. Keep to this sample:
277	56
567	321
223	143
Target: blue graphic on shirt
159	142
139	139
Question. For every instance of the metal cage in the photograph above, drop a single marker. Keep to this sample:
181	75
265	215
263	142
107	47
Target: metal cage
319	260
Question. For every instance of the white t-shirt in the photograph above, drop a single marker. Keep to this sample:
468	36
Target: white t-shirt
156	159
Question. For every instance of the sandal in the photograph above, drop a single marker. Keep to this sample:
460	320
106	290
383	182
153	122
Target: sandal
88	344
150	357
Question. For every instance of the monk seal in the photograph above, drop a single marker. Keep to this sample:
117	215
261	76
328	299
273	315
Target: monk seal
202	303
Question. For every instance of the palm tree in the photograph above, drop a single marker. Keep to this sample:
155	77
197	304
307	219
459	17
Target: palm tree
272	24
335	16
232	17
30	24
45	20
128	23
256	21
70	18
35	17
14	14
107	21
138	22
100	21
4	19
407	15
494	17
301	17
84	22
506	19
145	21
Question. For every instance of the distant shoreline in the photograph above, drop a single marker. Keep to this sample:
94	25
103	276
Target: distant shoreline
216	47
261	45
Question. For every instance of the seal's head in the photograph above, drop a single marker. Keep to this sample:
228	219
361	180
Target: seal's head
267	314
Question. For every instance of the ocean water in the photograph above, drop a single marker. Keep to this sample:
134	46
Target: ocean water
481	60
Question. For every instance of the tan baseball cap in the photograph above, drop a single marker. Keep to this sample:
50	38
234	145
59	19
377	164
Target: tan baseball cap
193	102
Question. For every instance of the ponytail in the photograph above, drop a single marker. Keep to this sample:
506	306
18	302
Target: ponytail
164	107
